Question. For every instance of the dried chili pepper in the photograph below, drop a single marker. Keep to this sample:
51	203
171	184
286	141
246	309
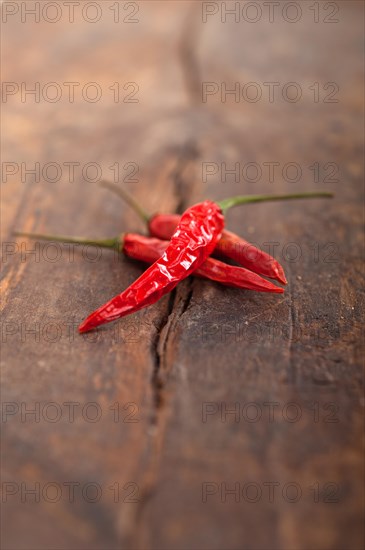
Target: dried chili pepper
148	249
196	236
193	241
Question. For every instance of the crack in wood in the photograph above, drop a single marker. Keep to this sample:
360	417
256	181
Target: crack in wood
183	187
178	304
159	349
179	298
188	45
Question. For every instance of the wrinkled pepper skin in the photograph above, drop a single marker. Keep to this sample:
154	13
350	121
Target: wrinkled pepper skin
194	239
230	245
148	249
244	253
237	277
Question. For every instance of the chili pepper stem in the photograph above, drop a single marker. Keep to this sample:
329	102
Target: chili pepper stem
115	243
128	198
225	204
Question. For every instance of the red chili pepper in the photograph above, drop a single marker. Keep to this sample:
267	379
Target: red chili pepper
194	240
196	235
149	249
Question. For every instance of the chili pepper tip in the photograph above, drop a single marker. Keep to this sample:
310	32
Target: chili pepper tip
280	275
84	327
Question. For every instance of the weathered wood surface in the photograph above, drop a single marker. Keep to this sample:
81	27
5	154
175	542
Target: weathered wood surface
301	352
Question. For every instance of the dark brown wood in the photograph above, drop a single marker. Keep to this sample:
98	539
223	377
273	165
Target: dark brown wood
165	380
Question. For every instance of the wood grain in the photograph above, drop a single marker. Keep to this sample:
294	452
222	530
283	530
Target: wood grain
165	380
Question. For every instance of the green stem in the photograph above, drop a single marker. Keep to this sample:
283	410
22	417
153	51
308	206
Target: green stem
116	243
128	198
225	204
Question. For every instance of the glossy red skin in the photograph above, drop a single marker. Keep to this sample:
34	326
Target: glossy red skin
230	245
148	249
194	239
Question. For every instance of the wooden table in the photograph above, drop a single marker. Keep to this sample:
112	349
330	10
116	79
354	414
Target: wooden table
217	418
